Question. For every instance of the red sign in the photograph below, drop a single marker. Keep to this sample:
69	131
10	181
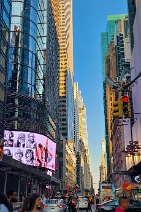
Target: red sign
107	187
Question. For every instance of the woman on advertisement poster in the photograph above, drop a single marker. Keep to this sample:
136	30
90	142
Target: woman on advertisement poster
43	156
31	143
40	155
8	139
29	156
21	140
48	155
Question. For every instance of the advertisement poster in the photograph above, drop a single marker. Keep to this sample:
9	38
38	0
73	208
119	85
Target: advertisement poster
30	148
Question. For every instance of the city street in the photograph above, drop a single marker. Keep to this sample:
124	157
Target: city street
70	105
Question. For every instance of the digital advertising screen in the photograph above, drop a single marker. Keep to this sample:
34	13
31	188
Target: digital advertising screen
30	148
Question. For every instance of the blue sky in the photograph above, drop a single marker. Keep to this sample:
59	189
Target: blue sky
89	20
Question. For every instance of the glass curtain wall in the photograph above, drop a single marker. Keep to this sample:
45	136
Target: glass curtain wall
5	19
26	75
22	57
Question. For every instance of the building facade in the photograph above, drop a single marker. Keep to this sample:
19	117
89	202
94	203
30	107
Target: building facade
132	4
5	20
26	108
136	96
111	72
106	38
83	139
59	94
76	117
103	164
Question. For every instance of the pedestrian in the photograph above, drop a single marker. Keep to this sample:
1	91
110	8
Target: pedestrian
12	197
4	204
97	200
89	206
35	203
22	200
26	205
43	199
123	204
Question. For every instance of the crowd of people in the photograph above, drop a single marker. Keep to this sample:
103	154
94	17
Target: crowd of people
35	203
32	203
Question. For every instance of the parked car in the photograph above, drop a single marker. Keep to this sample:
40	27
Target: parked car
135	206
82	203
55	205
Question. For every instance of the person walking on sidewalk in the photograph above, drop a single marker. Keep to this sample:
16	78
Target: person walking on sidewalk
4	204
89	206
123	204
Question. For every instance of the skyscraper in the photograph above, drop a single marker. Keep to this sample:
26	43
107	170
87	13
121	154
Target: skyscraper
60	76
132	4
106	38
83	142
117	62
76	117
103	169
26	107
5	20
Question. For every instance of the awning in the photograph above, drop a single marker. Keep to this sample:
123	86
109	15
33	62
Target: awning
135	170
15	167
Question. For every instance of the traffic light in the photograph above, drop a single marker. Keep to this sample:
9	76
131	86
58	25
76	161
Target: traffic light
1	152
139	190
126	107
117	109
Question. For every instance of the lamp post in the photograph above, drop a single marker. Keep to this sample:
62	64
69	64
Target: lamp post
133	149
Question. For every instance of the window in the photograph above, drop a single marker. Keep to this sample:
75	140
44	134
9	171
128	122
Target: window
2	78
112	203
2	61
7	6
4	47
1	95
5	33
5	18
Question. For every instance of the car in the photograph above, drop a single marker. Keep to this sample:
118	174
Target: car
134	205
55	205
82	203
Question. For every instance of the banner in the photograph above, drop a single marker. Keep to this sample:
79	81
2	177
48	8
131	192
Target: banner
30	148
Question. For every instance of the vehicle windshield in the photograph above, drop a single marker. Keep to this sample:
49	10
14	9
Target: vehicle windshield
83	200
113	202
53	201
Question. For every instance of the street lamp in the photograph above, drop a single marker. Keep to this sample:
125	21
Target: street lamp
133	149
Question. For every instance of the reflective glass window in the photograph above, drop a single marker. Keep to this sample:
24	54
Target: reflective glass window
2	78
31	14
1	111
7	6
30	43
17	9
5	18
2	61
5	33
4	47
33	3
1	95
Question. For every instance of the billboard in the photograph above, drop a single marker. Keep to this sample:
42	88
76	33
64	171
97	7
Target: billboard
30	148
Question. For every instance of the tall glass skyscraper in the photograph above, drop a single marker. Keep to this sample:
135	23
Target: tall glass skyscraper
27	69
5	19
23	55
